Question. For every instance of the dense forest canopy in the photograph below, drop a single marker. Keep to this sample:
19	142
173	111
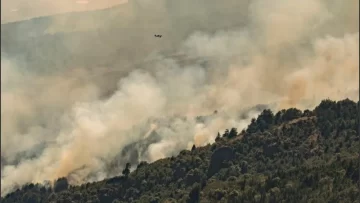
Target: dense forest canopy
287	156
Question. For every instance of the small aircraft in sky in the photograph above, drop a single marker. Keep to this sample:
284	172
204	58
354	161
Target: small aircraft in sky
158	36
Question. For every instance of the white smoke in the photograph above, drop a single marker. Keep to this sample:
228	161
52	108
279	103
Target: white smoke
288	53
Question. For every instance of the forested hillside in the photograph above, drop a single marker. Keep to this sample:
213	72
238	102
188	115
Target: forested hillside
286	156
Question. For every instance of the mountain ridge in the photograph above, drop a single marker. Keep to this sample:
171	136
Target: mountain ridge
292	156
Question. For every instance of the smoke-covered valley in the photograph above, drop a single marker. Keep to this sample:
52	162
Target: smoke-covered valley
84	93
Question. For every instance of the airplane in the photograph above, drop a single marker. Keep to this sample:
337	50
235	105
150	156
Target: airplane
158	36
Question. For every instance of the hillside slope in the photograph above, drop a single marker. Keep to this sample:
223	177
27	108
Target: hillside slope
290	156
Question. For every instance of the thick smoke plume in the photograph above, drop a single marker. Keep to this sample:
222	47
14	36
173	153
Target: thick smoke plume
77	122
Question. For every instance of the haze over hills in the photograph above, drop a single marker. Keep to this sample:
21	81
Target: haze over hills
17	10
77	88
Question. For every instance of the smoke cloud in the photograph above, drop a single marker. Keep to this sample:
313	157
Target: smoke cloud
76	121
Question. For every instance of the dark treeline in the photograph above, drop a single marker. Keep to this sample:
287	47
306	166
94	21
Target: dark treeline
289	156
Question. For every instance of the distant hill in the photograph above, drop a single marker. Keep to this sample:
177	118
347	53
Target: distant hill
289	156
110	36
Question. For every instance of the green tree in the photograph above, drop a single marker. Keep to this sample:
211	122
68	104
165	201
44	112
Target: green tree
126	171
194	195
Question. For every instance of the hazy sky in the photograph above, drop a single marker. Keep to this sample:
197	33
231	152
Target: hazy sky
15	10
